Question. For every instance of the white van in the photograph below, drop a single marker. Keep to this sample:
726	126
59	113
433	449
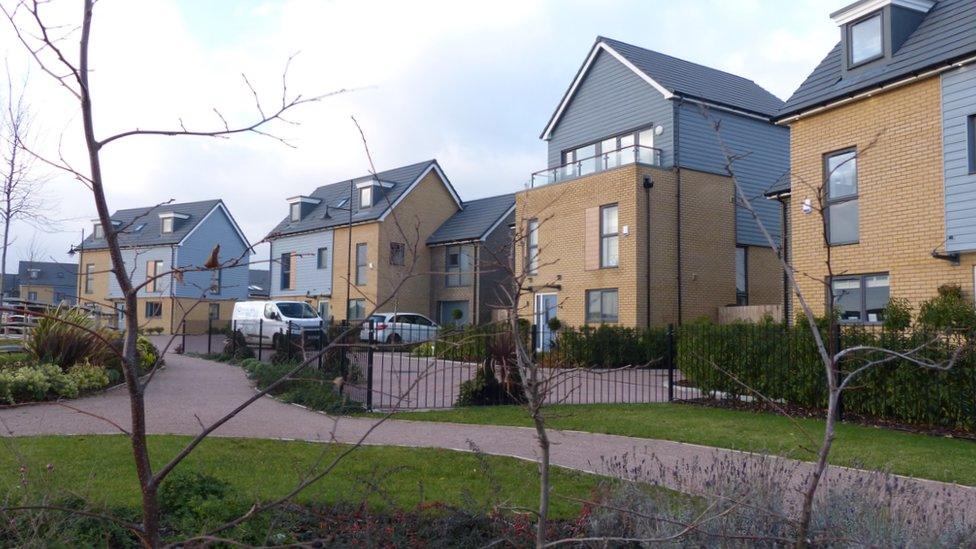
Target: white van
265	322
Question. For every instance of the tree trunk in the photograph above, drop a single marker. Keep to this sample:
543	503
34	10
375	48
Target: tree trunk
819	468
540	429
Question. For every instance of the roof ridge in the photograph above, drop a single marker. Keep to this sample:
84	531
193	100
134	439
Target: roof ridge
348	179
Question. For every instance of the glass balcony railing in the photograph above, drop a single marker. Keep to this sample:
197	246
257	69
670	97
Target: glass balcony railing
607	161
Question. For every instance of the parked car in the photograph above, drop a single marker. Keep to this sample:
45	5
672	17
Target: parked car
266	322
400	328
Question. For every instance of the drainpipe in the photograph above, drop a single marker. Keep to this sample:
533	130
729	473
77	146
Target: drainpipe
677	191
784	251
648	185
476	317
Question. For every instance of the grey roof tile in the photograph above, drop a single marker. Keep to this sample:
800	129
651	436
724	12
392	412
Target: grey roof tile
141	227
473	220
49	273
696	81
946	34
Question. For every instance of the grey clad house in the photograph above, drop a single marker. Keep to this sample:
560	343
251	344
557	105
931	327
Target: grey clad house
47	282
471	258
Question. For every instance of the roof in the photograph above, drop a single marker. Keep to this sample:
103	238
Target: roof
947	34
259	282
141	227
333	197
475	220
49	273
780	188
675	77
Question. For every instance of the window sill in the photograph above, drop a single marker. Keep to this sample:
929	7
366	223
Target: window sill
839	244
609	267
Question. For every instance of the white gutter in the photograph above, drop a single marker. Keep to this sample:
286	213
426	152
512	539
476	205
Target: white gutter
880	89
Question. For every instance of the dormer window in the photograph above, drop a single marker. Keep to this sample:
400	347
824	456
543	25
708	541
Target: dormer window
866	40
301	206
34	273
97	231
169	221
366	197
370	191
167	225
296	211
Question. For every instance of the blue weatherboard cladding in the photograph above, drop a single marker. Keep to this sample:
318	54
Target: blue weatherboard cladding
215	229
765	160
309	278
610	100
958	104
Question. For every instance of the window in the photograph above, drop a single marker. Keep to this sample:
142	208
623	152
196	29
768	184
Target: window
453	312
609	239
322	258
97	231
741	277
214	312
459	265
865	40
89	278
601	306
34	273
366	197
286	279
860	298
154	309
532	247
167	224
362	263
842	204
295	211
971	130
31	296
139	227
215	281
153	268
398	251
357	309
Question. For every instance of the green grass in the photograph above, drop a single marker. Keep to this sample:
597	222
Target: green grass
100	469
925	456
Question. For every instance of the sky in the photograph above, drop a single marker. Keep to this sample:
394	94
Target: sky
470	84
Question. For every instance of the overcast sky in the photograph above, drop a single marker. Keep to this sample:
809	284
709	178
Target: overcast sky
470	84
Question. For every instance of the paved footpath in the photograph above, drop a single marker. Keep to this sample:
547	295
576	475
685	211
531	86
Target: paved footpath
191	390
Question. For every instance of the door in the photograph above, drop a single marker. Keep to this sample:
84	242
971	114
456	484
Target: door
454	313
545	310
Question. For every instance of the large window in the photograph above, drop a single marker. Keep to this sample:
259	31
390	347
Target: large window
865	40
741	277
153	268
154	309
971	142
357	309
362	263
532	247
860	298
459	265
842	204
582	161
610	153
398	253
286	267
609	237
89	278
601	306
322	258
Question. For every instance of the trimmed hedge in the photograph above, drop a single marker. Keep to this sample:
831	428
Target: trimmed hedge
609	347
782	363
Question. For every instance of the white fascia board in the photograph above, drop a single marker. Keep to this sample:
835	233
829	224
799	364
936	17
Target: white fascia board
164	215
373	182
860	9
600	46
304	199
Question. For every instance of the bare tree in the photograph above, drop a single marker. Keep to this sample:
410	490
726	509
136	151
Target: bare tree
22	185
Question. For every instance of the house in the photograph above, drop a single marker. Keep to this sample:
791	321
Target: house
352	244
471	259
47	282
634	221
884	140
165	248
259	284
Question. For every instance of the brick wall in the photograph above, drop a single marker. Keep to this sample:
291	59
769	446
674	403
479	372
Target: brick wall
103	266
901	197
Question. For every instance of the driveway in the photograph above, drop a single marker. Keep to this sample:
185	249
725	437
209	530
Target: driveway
191	390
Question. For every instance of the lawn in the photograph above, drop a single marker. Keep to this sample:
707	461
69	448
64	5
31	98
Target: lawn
100	469
925	456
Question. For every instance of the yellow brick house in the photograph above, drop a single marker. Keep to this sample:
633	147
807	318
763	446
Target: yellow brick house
883	141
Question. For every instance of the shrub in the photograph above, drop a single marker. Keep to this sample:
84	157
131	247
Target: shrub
34	383
148	353
315	388
950	310
236	349
88	377
609	346
14	360
64	338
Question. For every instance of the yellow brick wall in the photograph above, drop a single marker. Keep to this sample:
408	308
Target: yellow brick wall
765	276
901	199
343	277
45	294
103	266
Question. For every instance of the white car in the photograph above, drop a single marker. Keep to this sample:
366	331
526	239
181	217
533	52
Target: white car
400	328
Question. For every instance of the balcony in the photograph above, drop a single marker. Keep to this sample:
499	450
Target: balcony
635	154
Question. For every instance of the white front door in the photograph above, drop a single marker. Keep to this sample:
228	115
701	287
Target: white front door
545	310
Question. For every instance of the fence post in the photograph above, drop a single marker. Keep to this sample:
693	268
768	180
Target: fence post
260	337
369	366
183	336
535	340
836	336
321	337
669	360
209	333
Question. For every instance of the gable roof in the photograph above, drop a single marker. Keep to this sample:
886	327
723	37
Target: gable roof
151	234
335	198
476	219
673	77
945	36
50	273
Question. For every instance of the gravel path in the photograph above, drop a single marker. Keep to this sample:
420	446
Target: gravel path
191	390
